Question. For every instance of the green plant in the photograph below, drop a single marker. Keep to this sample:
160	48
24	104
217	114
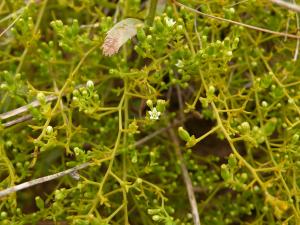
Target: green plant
149	112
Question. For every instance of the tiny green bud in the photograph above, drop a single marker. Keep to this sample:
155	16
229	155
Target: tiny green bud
254	63
295	138
59	195
149	103
204	102
3	214
4	86
232	160
179	28
8	143
153	211
75	100
18	76
291	101
225	172
84	93
245	127
264	104
149	38
90	84
183	134
229	53
96	96
156	217
232	10
39	203
77	151
161	105
134	158
141	33
75	92
139	180
244	176
112	71
158	24
41	97
235	42
211	90
49	130
18	210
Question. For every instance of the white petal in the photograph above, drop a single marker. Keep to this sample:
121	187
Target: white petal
170	22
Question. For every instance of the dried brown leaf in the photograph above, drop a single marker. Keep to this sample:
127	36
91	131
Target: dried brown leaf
119	34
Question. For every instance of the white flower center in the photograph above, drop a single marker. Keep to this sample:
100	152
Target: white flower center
170	22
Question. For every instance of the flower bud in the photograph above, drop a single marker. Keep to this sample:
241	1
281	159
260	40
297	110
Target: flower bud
204	102
139	51
149	38
59	195
49	130
149	103
179	28
84	93
153	211
3	215
232	162
41	97
140	33
158	24
229	53
183	134
77	151
264	104
161	105
156	217
295	138
75	92
225	172
4	86
139	180
39	203
235	42
90	84
211	90
245	127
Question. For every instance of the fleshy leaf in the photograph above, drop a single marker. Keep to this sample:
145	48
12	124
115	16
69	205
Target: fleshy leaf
119	34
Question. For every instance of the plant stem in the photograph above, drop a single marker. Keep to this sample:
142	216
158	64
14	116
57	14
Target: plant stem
152	11
186	178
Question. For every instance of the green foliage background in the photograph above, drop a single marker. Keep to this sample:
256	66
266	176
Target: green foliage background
234	91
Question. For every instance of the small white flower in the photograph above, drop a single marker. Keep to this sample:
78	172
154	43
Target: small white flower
154	114
179	63
170	22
